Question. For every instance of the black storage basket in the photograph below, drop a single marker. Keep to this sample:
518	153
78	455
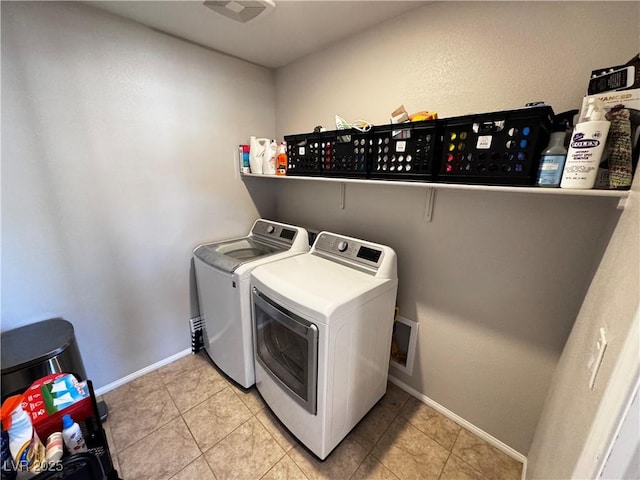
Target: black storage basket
335	153
303	154
82	466
499	148
97	463
406	151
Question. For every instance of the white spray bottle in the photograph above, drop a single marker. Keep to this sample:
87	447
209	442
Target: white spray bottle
586	147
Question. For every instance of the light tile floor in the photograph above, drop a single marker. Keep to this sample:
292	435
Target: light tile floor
185	421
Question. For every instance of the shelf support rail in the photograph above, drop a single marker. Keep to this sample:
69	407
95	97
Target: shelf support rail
622	203
428	205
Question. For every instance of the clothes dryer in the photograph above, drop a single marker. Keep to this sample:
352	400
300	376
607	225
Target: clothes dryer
322	336
222	275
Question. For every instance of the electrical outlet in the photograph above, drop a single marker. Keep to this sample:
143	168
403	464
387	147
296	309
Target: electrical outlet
596	358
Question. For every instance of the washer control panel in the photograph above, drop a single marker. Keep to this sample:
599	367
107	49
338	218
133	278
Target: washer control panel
274	231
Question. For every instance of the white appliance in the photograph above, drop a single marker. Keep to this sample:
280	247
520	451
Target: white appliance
224	295
323	323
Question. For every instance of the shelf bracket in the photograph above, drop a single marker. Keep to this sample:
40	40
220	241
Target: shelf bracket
342	190
622	202
428	205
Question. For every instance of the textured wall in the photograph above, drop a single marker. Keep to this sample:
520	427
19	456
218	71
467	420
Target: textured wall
496	280
458	58
611	302
118	148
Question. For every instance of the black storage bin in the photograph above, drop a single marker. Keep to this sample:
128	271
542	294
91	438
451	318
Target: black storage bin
96	439
96	464
334	153
406	151
82	466
345	154
32	351
303	154
499	148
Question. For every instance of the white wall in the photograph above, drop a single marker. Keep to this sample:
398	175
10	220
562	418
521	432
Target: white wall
612	302
117	159
117	145
496	280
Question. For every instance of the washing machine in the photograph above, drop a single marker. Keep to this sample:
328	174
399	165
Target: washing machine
322	335
222	271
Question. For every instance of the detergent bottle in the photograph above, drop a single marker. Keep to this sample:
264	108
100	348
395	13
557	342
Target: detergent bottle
281	164
269	165
72	436
257	151
26	448
554	156
8	465
586	147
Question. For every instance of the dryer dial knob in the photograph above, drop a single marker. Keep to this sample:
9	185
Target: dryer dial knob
342	246
270	229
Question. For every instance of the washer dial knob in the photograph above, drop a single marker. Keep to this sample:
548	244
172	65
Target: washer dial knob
270	229
342	246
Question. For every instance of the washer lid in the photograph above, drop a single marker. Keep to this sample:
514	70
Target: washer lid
229	255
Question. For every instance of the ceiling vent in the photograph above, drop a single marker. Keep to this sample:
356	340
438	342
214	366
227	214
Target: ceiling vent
241	11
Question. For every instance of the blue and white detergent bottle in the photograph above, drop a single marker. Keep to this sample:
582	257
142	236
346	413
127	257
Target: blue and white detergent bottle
553	157
72	436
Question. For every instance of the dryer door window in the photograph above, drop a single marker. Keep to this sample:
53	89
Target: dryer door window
287	348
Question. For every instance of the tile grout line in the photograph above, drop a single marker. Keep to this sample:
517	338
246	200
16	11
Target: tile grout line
370	450
254	415
295	463
450	453
382	436
460	429
236	428
286	452
272	436
119	451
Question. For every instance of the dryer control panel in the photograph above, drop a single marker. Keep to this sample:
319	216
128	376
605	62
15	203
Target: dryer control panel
379	260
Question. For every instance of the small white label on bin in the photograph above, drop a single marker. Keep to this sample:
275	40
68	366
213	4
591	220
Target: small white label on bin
401	146
484	142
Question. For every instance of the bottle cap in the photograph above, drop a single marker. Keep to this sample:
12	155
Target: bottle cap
595	110
67	421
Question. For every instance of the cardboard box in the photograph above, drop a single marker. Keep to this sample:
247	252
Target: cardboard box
626	98
617	78
48	399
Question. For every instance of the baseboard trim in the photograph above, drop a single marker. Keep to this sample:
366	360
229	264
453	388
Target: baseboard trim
141	372
464	423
